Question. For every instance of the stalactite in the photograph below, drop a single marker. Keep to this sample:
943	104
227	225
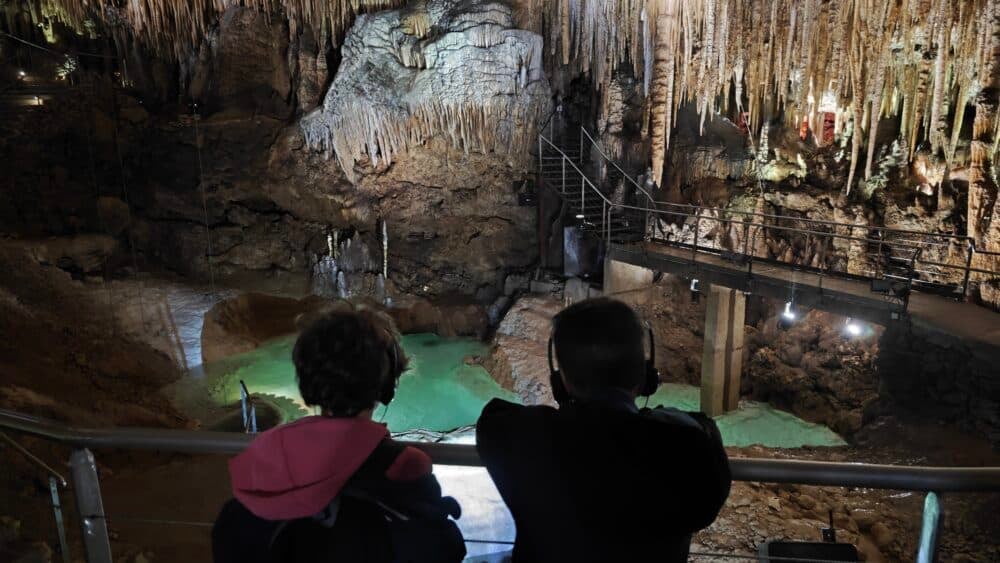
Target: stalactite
662	87
920	55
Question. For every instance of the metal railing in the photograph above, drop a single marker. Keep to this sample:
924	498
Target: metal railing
86	483
932	262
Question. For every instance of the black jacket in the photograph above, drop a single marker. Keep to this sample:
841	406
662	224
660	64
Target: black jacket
591	482
365	527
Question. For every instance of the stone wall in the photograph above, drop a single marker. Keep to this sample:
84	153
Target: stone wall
942	379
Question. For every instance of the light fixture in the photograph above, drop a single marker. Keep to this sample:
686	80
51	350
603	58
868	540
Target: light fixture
21	73
695	295
580	216
852	328
788	313
694	284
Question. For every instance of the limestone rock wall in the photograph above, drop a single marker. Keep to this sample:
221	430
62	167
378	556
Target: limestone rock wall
438	68
943	379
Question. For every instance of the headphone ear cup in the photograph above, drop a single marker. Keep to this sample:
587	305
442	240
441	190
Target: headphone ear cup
388	392
651	380
559	392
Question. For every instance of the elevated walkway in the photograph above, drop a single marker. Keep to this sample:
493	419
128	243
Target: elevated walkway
861	271
919	281
848	296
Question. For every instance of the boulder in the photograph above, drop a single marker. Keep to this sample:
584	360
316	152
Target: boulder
518	360
241	324
86	253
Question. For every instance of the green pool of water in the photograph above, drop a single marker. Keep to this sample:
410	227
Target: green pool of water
441	392
753	424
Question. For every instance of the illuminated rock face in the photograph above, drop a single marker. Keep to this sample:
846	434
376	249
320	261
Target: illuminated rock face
458	70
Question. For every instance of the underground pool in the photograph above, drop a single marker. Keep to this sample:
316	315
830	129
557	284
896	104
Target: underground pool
444	390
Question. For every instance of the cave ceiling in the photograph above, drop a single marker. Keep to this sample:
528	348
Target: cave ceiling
922	61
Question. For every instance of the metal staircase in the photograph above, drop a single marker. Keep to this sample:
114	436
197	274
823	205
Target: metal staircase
586	201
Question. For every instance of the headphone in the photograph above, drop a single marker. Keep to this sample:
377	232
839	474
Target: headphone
388	391
651	378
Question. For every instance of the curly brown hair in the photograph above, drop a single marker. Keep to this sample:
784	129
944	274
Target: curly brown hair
347	359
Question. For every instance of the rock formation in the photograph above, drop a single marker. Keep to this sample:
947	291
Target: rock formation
434	68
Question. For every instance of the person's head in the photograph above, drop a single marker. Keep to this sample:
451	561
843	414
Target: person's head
346	359
599	346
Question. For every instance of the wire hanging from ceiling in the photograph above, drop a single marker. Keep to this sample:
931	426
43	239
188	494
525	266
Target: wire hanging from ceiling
204	198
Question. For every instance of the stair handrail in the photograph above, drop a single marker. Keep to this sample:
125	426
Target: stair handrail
610	160
583	176
756	219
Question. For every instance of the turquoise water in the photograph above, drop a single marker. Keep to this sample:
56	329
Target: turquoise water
753	424
441	392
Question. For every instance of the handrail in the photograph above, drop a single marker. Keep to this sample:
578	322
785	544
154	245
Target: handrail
720	210
583	176
597	146
887	238
32	457
820	473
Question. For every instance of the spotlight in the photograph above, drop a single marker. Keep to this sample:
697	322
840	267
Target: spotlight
852	328
788	314
787	318
21	74
580	216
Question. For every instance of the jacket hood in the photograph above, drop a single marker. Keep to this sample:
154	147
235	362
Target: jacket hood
295	470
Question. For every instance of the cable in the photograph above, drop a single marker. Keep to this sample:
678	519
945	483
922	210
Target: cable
100	220
204	199
57	53
128	205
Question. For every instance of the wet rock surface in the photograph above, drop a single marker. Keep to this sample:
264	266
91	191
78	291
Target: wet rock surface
519	357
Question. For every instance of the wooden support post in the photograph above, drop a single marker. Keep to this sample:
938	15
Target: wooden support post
722	358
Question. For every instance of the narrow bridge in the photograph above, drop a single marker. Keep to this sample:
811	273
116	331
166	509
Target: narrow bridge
857	270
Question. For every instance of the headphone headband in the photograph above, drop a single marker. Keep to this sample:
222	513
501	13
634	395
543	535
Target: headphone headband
650	381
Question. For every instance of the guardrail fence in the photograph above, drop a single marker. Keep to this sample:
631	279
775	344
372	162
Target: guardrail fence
93	519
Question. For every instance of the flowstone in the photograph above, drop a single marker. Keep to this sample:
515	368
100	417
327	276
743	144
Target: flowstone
435	67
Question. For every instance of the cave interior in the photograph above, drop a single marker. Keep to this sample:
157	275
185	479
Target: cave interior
184	183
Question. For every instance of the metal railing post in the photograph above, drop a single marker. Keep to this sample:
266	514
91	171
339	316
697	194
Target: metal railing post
540	159
697	227
60	521
930	529
583	195
607	224
878	255
562	189
93	526
581	148
968	270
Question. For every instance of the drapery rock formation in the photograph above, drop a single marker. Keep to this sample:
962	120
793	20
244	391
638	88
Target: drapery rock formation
434	68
